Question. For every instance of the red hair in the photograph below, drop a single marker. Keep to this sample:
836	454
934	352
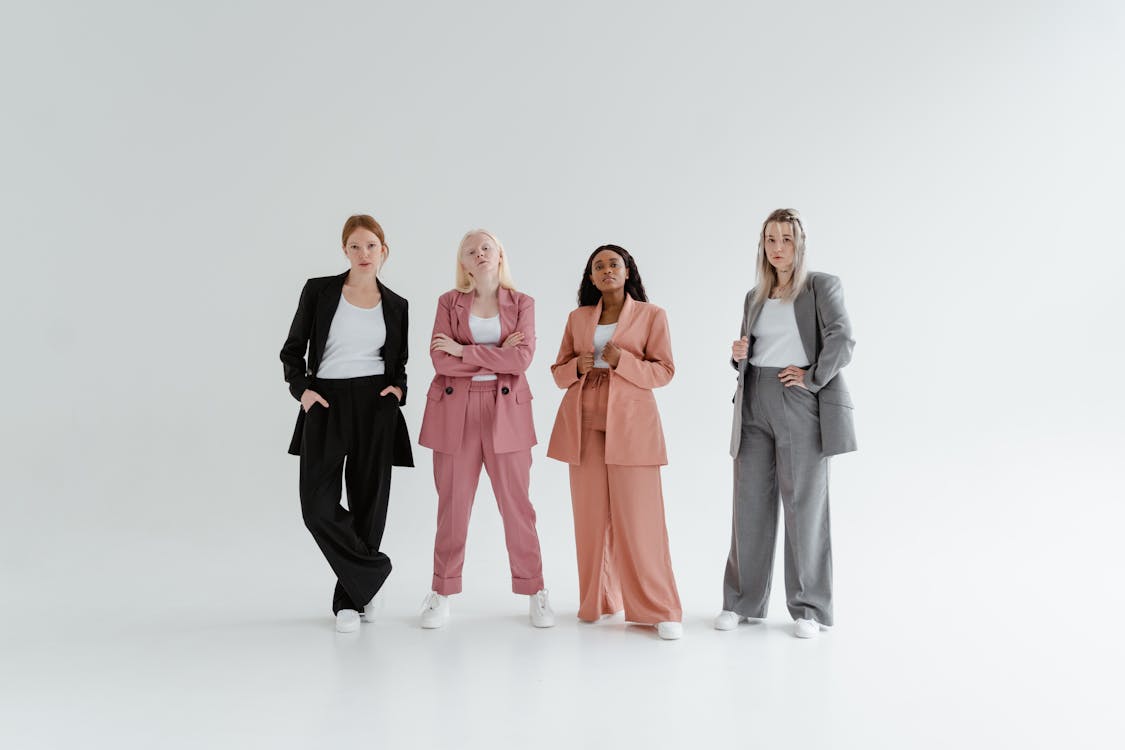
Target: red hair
362	221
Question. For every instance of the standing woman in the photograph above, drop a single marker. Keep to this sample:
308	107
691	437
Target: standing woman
478	412
354	331
791	412
615	350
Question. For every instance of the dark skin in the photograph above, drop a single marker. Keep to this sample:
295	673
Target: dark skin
608	273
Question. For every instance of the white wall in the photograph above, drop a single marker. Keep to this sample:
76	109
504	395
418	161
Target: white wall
172	173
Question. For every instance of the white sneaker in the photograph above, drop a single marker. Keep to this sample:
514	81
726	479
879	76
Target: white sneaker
539	609
727	620
347	621
372	609
670	631
807	628
435	611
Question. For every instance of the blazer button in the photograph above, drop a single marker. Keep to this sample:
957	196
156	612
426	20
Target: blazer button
505	390
448	390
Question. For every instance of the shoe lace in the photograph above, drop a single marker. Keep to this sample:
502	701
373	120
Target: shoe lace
541	599
430	602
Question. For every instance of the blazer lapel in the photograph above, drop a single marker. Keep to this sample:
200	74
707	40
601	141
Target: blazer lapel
509	310
624	319
804	307
392	315
752	317
462	333
326	304
586	334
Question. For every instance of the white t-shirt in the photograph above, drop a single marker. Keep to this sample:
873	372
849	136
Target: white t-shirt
355	342
485	331
777	340
602	335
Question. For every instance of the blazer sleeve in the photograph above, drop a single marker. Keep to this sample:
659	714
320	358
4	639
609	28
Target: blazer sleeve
296	344
507	360
565	369
399	378
445	363
836	333
655	368
745	320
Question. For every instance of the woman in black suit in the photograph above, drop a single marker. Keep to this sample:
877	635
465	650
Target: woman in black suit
354	331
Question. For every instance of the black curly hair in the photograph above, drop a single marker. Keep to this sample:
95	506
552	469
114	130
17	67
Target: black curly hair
588	294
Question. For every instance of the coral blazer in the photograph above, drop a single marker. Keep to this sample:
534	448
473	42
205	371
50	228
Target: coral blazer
447	401
633	435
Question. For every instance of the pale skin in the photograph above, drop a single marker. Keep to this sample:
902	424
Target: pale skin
367	254
480	258
781	250
608	273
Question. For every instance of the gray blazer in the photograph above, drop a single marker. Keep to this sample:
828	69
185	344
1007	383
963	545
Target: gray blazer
826	335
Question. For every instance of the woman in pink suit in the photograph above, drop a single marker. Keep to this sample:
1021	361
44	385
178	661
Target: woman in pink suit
478	412
615	350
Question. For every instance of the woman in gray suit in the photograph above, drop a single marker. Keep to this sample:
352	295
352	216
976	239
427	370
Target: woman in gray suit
791	412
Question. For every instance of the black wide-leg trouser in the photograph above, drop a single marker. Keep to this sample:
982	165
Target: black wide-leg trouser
354	437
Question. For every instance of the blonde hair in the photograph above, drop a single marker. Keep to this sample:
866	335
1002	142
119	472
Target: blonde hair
464	280
767	274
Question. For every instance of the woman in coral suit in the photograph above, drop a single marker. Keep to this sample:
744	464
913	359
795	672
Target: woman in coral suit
478	412
615	350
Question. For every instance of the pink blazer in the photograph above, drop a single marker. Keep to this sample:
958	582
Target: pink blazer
448	397
633	435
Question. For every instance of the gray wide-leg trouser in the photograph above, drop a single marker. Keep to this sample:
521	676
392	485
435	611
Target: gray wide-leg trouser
779	457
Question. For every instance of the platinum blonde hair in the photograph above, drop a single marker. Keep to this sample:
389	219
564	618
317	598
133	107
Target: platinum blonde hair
464	281
767	274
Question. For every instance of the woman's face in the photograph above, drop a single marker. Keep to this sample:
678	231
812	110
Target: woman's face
365	251
480	257
781	248
608	271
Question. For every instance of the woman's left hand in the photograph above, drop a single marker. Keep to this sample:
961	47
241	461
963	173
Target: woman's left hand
392	389
513	340
611	354
443	343
792	376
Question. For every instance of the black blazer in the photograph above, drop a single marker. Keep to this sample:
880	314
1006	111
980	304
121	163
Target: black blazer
309	332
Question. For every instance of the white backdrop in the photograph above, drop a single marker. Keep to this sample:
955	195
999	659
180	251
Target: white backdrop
171	173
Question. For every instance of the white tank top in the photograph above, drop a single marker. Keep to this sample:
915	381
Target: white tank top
355	342
602	335
485	331
777	341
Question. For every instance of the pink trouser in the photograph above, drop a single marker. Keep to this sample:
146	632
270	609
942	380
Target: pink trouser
619	530
457	475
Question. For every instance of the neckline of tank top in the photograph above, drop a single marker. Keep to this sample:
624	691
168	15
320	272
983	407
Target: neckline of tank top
491	317
357	307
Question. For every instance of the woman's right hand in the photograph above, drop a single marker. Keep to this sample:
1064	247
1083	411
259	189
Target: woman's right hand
585	363
308	398
740	349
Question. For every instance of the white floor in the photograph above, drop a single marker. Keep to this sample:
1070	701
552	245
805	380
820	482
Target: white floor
961	622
